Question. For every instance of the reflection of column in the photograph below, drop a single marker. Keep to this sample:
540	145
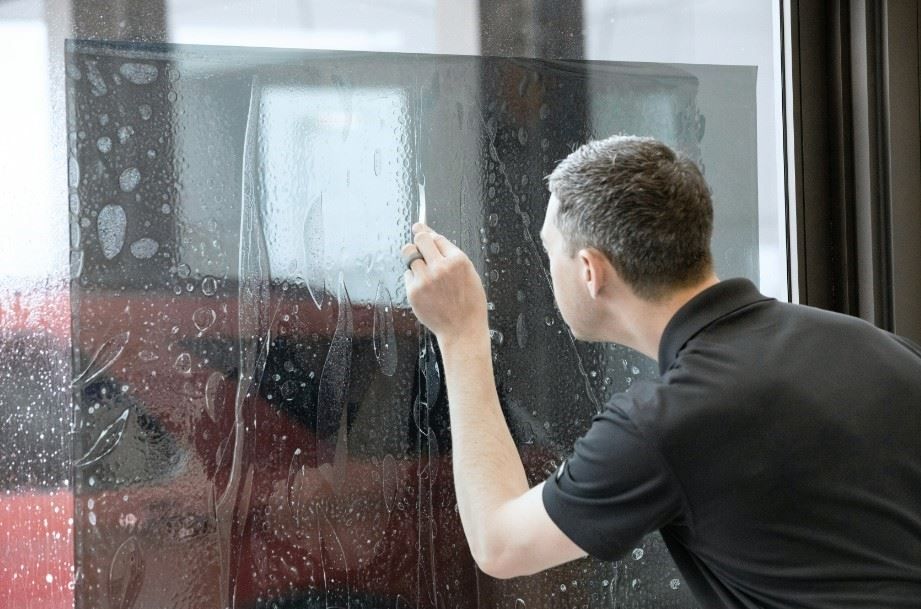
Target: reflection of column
141	20
545	29
544	116
140	120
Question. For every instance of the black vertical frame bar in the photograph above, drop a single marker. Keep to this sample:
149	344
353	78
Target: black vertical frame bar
857	158
901	152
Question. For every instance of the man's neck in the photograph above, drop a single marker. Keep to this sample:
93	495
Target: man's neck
646	320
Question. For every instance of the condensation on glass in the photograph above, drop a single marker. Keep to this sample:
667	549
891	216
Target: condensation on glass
259	419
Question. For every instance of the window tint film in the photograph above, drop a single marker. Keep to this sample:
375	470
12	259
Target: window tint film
259	419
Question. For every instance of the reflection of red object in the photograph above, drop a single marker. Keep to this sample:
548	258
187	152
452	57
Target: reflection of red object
36	550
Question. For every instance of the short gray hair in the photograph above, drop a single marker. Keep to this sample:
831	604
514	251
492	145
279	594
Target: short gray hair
645	207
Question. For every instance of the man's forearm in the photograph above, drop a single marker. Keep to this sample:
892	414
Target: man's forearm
487	467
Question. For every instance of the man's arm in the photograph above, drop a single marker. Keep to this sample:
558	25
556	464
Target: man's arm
506	525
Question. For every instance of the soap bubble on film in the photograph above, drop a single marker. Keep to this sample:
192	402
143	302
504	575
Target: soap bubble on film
129	179
139	73
144	248
124	133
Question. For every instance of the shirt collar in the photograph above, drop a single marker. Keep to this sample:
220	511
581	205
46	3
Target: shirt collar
713	303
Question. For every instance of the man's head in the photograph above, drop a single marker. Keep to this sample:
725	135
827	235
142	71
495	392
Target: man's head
635	206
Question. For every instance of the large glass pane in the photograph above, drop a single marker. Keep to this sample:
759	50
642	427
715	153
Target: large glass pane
252	394
253	417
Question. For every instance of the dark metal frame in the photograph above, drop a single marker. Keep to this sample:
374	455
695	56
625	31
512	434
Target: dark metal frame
856	156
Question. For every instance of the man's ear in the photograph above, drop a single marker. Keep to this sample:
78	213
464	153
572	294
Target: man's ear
595	270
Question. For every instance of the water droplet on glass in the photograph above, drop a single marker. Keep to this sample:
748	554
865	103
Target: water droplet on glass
522	136
97	84
139	73
104	144
563	587
638	554
203	318
147	356
493	219
209	286
145	111
635	370
674	584
496	337
73	172
183	363
548	320
124	133
635	584
183	270
129	179
144	248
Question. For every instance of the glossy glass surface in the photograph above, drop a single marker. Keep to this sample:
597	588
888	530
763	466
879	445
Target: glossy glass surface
253	396
134	226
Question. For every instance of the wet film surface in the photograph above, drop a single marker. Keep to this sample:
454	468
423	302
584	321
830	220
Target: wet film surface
259	419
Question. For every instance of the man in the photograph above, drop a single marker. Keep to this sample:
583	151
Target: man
780	453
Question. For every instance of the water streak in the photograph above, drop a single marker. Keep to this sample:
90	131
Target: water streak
214	394
332	396
106	442
105	356
314	252
385	340
521	331
535	253
389	482
334	558
252	299
431	372
126	574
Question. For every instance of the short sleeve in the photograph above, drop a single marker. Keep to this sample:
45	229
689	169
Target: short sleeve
614	489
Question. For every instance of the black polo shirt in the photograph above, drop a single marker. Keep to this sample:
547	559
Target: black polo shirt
779	455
